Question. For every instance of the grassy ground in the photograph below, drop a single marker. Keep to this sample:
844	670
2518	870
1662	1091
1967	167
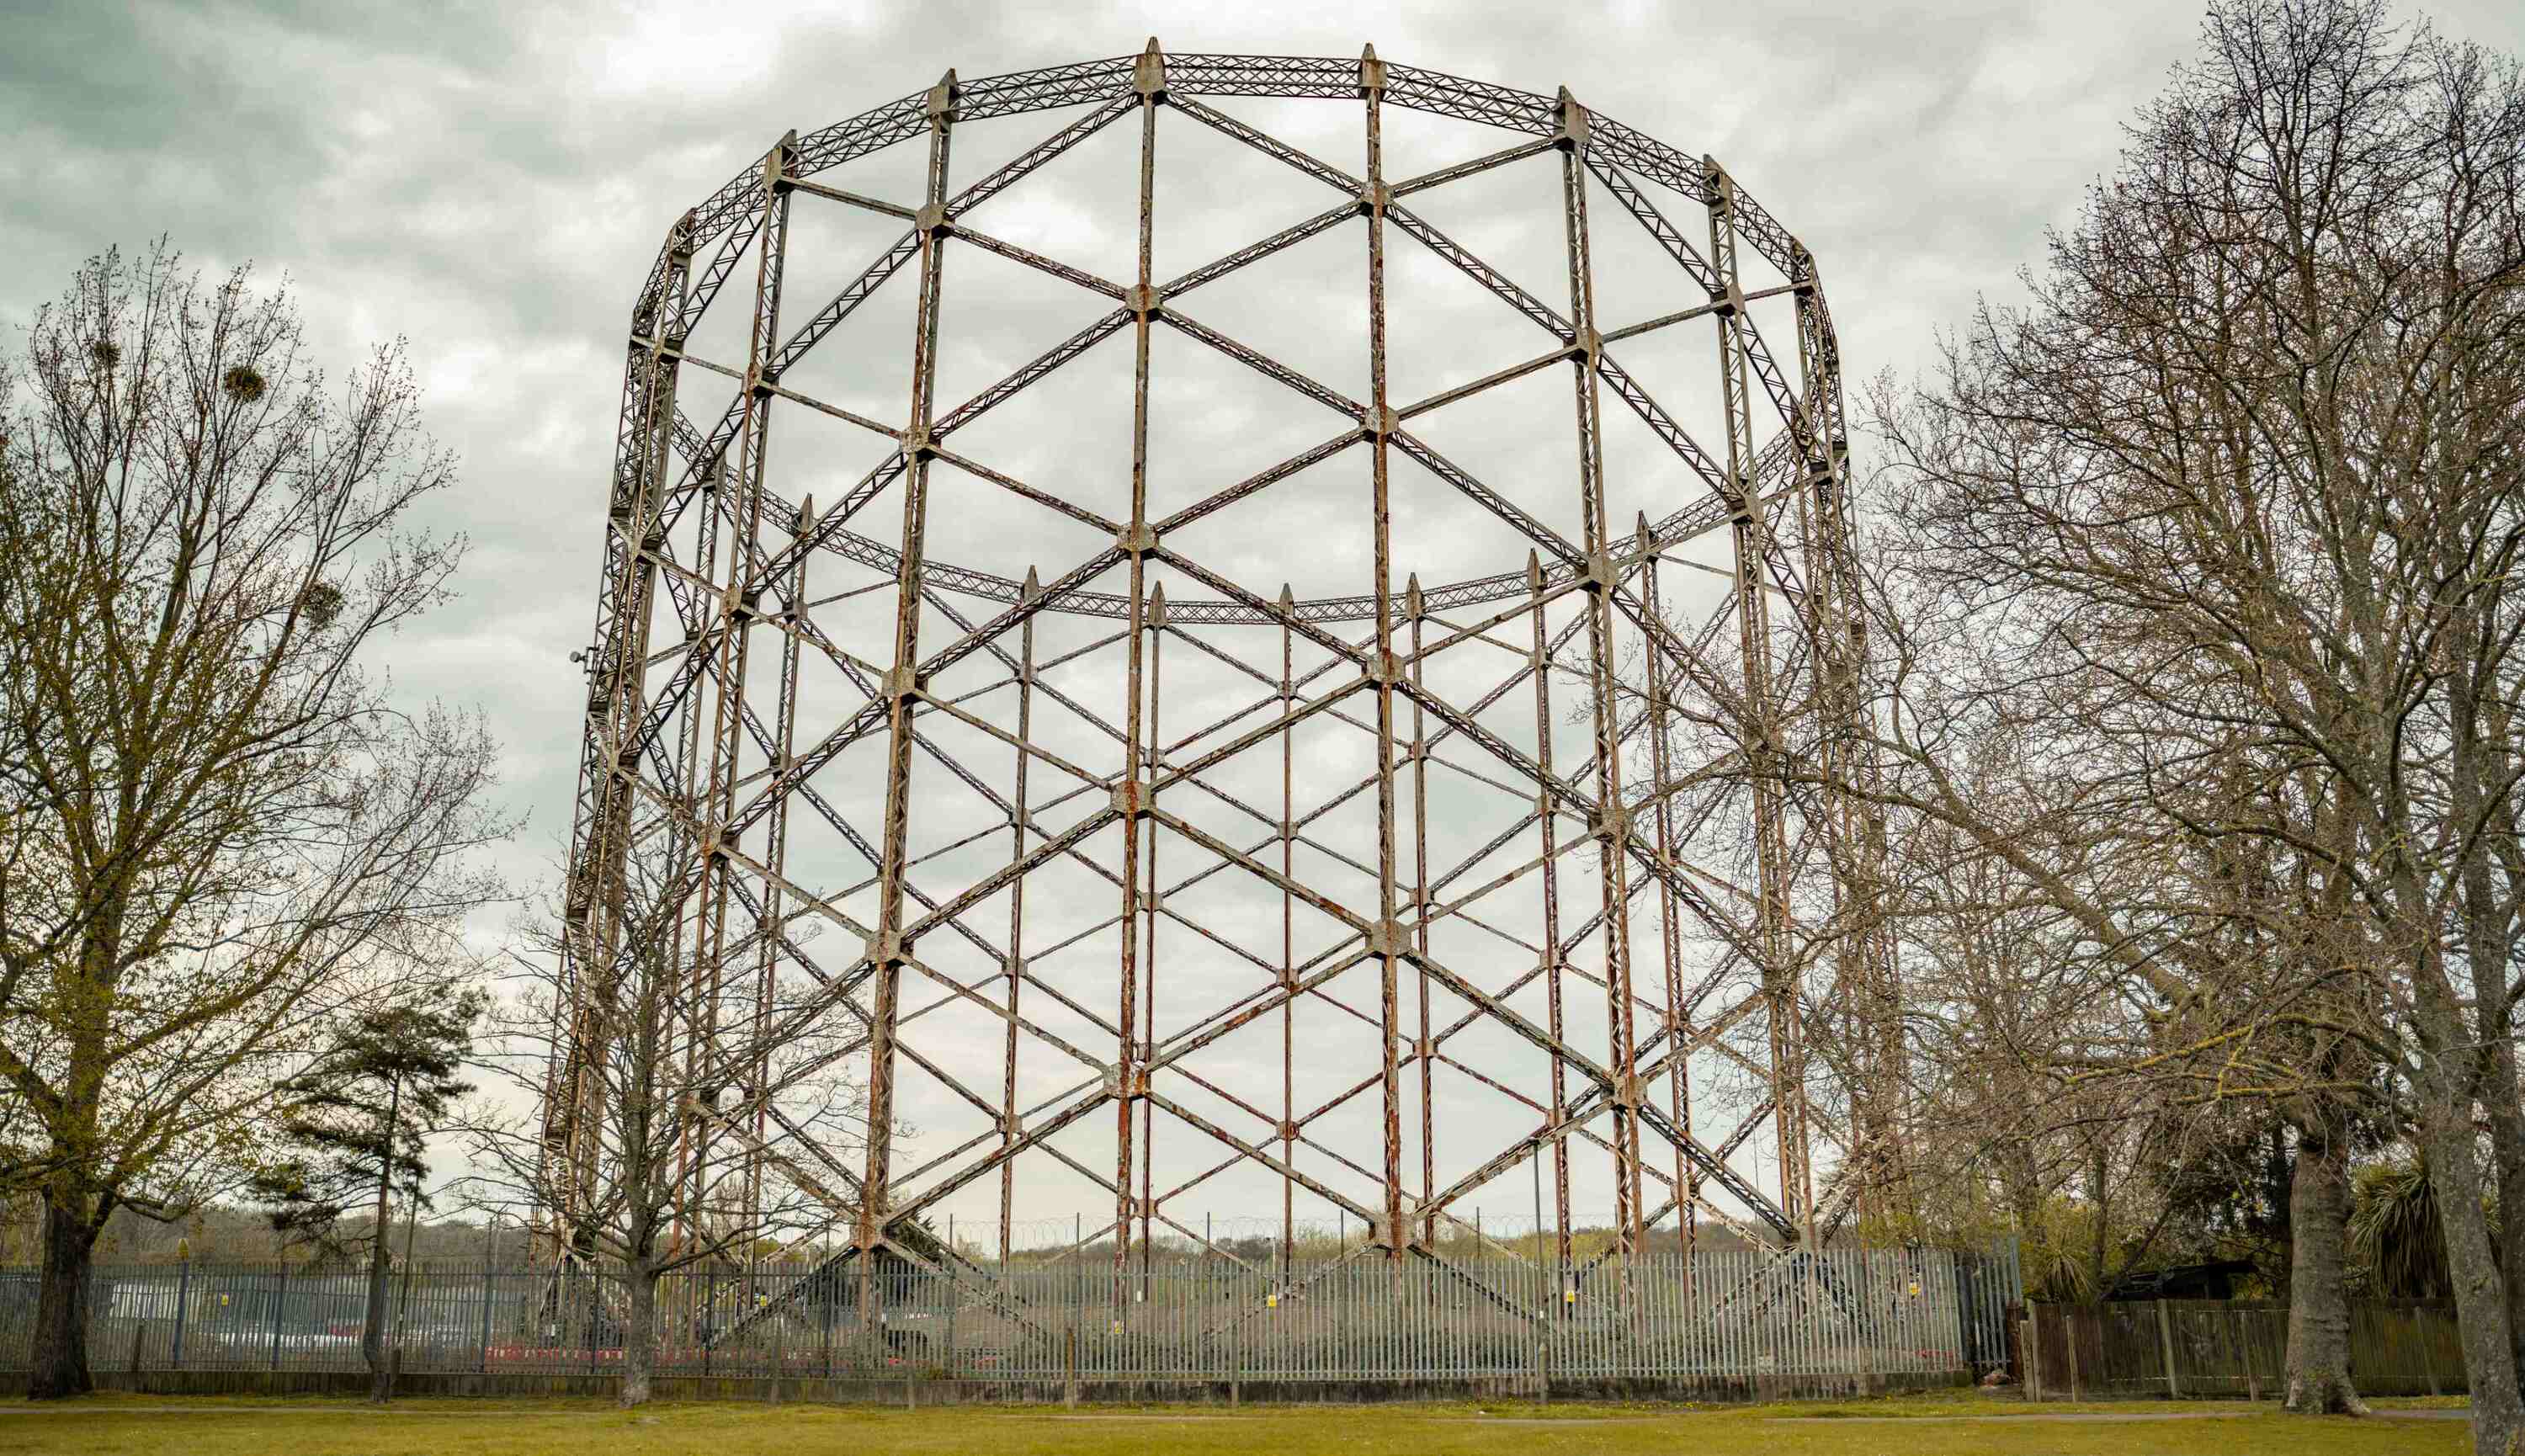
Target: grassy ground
460	1428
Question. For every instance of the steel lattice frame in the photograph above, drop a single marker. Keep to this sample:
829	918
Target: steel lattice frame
678	743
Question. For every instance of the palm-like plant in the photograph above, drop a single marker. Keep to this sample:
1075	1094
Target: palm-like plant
2393	1231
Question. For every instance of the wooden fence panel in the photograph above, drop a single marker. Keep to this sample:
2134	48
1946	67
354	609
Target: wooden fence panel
2230	1348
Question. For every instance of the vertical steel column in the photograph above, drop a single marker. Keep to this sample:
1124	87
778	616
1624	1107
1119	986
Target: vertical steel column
1869	960
886	949
1424	1050
1288	930
741	502
769	929
1541	664
1148	78
1017	920
1770	813
593	904
1149	916
1612	828
1687	1180
1387	942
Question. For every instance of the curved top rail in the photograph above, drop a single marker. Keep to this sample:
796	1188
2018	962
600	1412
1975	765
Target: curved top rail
736	204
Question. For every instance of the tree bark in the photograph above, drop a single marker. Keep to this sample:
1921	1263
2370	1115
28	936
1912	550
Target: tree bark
639	1332
2480	1294
59	1367
2318	1321
2506	1118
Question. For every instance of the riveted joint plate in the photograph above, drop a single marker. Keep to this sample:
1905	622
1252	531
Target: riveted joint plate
932	218
901	683
1612	824
1131	798
1599	574
1288	1131
1388	939
940	104
1136	540
885	948
1143	300
1377	422
1573	124
1371	74
1374	198
1382	668
1149	75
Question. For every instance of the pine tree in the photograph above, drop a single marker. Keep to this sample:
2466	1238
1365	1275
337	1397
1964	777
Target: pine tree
356	1122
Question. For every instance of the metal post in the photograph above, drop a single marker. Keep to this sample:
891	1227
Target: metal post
1030	592
741	503
886	952
1148	78
1686	1179
1149	918
279	1303
1611	829
1288	1251
1762	731
183	1290
1386	943
1545	815
482	1360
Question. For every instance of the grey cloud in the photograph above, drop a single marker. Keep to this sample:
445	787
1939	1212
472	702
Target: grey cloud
491	183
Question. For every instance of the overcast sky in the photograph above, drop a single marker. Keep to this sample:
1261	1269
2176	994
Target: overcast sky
491	181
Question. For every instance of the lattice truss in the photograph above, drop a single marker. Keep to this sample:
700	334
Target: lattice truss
1066	733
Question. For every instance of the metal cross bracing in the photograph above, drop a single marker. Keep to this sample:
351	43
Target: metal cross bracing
1368	900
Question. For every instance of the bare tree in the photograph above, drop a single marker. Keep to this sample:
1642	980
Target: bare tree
2228	514
692	1137
215	824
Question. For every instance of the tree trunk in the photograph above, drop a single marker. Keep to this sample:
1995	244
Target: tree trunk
372	1331
373	1334
2318	1321
2507	1117
59	1367
639	1332
2480	1294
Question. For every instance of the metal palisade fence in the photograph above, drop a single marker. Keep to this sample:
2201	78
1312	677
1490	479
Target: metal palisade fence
1715	1316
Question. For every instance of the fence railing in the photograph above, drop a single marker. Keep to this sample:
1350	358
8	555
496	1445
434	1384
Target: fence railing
1714	1315
2190	1348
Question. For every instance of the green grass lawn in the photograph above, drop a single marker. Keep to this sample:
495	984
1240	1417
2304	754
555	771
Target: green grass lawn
253	1427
